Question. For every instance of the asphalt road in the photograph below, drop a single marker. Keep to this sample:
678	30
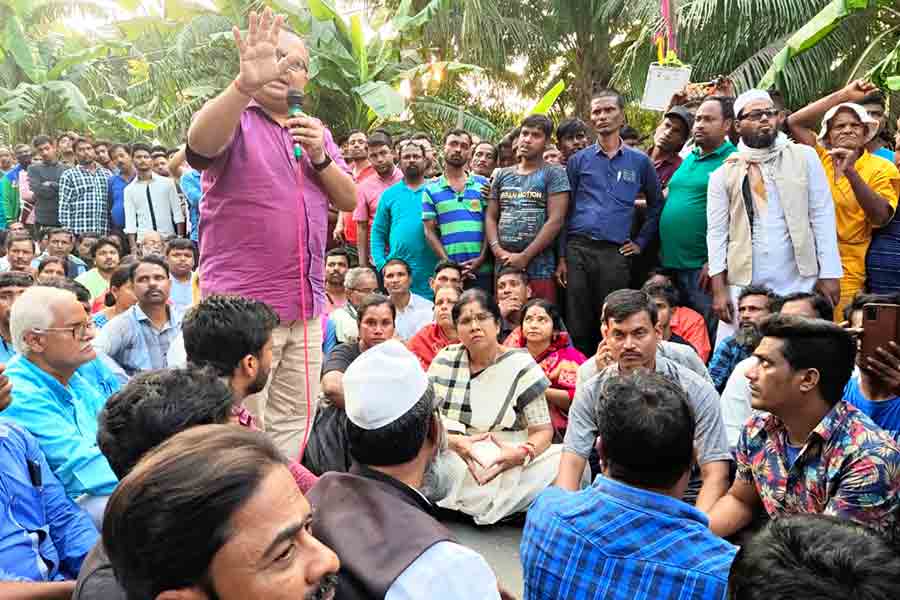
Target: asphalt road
499	545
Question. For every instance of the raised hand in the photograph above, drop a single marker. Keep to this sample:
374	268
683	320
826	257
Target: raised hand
259	58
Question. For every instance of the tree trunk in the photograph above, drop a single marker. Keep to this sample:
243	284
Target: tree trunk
593	68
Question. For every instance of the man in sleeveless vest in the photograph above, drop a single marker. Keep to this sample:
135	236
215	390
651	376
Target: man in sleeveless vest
770	215
379	516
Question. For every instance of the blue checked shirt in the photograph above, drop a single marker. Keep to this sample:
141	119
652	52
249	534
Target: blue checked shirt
84	200
131	340
618	542
726	357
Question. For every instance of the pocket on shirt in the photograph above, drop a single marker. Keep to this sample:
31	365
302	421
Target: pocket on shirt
25	506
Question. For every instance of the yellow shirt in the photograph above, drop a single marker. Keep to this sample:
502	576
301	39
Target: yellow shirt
854	231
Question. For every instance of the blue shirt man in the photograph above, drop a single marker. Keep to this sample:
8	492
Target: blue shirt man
117	184
885	412
397	233
44	536
628	536
190	185
595	246
63	419
131	340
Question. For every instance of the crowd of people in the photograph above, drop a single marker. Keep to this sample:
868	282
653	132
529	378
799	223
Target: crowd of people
272	364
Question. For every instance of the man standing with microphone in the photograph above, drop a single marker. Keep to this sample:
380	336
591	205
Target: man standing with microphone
264	215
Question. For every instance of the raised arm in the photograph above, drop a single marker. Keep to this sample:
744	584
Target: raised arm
214	125
803	122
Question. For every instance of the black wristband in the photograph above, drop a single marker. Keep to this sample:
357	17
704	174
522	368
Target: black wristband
322	165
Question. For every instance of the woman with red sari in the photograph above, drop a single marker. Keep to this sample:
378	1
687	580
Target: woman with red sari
542	334
433	338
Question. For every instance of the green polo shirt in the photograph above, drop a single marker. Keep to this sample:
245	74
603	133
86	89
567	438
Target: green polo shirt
682	225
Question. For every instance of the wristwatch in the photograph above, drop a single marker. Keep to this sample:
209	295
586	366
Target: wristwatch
322	165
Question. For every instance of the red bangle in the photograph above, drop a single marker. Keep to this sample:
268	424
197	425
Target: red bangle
240	90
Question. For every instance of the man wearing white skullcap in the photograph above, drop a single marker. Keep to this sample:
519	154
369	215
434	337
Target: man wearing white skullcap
378	517
864	187
770	219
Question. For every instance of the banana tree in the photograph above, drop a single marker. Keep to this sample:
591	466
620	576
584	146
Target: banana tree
876	24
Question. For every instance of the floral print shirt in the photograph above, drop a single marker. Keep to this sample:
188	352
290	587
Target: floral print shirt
848	468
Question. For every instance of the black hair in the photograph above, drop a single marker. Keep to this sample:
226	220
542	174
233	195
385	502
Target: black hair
19	236
822	306
541	122
513	271
59	230
125	147
448	264
876	97
726	104
569	128
159	150
173	512
815	344
102	243
662	290
379	138
759	290
622	304
82	294
456	131
406	143
373	301
399	441
50	260
40	140
494	151
814	556
179	243
397	261
861	299
630	132
80	142
141	146
148	260
16	279
481	297
339	252
646	429
608	92
551	309
155	405
120	277
102	143
221	330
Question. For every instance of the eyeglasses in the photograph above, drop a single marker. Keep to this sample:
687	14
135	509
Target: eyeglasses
757	115
470	320
78	331
294	67
364	291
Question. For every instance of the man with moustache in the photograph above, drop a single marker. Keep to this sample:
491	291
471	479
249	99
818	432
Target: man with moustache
755	303
770	218
84	193
397	228
484	159
121	157
454	212
369	192
337	263
398	445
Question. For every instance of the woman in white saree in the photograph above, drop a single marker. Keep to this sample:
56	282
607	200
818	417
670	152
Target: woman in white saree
492	402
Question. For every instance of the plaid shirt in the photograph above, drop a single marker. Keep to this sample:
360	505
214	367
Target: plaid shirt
849	468
619	542
84	200
726	357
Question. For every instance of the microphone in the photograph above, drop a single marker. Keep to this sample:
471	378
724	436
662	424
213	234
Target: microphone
295	109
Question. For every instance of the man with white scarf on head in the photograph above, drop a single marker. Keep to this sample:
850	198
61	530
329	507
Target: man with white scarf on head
770	217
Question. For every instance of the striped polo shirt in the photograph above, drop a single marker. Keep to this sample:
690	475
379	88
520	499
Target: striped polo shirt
459	216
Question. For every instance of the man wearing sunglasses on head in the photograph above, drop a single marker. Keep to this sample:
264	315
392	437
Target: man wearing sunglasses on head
770	218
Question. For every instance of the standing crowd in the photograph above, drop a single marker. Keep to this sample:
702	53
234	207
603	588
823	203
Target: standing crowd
235	371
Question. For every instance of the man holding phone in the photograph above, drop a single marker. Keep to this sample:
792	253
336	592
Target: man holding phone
874	390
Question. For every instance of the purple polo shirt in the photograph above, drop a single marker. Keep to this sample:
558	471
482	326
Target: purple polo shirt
253	219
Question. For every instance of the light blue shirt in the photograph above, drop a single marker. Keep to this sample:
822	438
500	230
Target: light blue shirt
190	185
131	340
436	575
181	293
64	421
6	351
44	536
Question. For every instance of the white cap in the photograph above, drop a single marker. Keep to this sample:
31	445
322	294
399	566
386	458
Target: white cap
382	384
748	97
871	124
